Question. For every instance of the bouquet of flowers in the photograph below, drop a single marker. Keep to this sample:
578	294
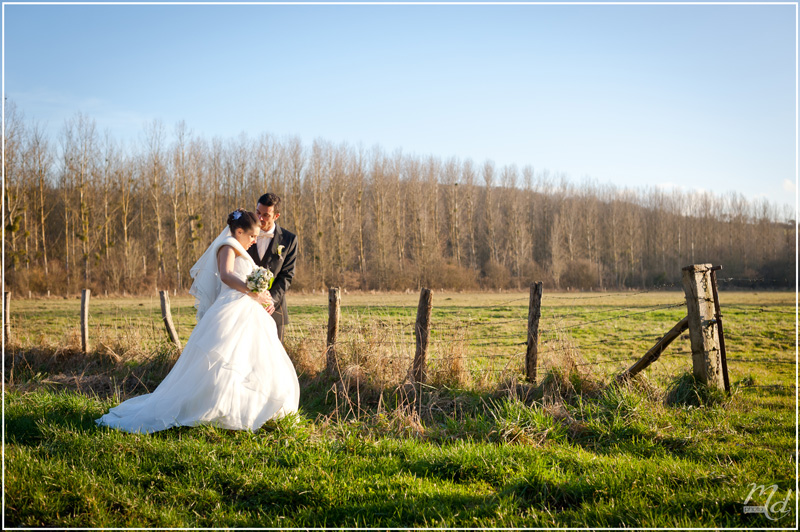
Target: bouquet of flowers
260	280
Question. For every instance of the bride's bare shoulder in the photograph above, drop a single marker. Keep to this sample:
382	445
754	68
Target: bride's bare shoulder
225	249
232	244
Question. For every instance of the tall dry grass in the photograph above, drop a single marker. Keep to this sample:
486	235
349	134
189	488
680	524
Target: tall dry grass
121	362
372	382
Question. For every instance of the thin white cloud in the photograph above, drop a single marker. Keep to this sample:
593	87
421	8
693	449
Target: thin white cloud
789	186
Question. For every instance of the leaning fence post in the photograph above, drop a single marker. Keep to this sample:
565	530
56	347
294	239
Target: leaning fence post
703	332
422	330
166	315
334	313
654	352
86	294
534	313
6	316
718	316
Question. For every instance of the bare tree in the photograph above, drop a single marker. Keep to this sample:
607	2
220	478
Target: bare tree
12	171
236	168
380	187
105	181
518	236
217	176
556	250
81	161
319	172
154	141
296	213
470	197
418	217
340	168
398	206
631	225
570	220
40	158
490	213
176	184
127	190
452	195
591	230
359	181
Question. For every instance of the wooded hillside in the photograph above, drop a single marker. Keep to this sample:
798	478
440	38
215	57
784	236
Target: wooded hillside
84	211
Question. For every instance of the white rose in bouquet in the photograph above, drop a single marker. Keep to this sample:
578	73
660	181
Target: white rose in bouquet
260	280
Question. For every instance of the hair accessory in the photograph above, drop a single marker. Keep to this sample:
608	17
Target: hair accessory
236	214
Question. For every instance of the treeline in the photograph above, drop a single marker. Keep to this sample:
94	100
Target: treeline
83	211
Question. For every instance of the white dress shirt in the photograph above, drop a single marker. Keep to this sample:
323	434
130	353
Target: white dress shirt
264	240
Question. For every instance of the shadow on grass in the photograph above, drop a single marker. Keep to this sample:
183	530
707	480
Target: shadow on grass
538	492
264	497
608	424
602	418
100	373
398	510
61	410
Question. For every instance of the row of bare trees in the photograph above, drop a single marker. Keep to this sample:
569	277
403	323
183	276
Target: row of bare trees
83	211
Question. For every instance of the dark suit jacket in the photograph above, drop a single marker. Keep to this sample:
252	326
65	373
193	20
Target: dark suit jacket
282	266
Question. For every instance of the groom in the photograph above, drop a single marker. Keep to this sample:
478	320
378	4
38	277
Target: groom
276	250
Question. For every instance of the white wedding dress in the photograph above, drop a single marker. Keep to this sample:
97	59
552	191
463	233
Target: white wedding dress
233	372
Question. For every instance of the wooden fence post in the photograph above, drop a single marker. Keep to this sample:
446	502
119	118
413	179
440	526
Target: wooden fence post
6	316
86	294
654	352
534	313
334	313
166	315
703	332
422	330
718	316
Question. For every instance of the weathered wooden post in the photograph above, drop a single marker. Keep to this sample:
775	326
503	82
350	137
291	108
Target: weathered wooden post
6	316
86	294
718	316
703	332
334	313
654	352
422	330
166	315
534	313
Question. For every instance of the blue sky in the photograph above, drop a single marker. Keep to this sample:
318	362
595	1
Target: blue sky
693	96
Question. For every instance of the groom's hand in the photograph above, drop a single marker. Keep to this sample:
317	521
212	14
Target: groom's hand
265	299
269	304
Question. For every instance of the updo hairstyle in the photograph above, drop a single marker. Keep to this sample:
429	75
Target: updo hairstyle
242	219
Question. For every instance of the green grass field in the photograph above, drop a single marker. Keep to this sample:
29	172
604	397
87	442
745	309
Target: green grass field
477	449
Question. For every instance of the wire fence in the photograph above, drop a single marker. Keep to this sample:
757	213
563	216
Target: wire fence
605	337
606	332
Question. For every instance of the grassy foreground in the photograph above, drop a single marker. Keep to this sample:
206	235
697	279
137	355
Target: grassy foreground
622	462
572	451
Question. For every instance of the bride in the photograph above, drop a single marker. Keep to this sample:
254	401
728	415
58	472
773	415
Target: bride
233	372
